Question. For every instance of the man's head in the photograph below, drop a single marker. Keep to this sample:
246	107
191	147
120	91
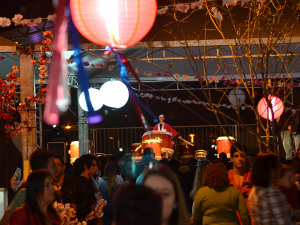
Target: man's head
161	118
149	151
238	155
89	164
137	205
43	159
59	162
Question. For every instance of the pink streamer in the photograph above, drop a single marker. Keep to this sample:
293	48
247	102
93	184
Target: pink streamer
57	98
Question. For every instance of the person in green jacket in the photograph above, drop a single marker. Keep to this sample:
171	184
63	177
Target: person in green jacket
217	202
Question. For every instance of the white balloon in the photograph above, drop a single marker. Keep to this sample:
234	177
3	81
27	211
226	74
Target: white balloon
237	97
95	97
114	94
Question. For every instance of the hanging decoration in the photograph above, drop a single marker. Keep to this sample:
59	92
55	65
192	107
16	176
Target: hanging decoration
114	93
96	99
236	97
57	98
265	111
118	24
93	116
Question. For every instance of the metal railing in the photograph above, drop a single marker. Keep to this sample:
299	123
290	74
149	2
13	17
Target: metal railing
110	140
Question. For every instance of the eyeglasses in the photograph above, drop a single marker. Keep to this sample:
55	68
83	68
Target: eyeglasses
58	164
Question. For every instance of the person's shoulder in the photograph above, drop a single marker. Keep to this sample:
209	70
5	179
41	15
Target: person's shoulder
19	212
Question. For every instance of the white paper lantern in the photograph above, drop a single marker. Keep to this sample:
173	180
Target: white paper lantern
114	94
95	97
236	97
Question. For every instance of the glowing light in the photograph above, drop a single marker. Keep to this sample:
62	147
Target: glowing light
68	127
115	23
95	96
115	94
54	126
192	137
265	111
121	149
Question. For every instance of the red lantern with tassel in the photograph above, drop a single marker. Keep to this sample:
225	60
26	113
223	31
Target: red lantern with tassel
265	111
116	23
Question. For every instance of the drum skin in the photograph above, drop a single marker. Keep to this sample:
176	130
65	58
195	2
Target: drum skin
224	144
158	140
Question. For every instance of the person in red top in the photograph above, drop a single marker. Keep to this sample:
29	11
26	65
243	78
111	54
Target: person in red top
162	126
240	175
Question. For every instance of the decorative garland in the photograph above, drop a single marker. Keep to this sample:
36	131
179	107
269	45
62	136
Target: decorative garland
187	101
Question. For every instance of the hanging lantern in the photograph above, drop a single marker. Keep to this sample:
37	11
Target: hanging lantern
115	94
236	97
265	112
117	23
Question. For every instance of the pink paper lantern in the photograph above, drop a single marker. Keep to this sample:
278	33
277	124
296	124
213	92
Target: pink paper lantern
117	23
265	111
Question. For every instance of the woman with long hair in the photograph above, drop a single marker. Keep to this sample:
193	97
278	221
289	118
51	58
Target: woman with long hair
38	208
216	202
108	184
201	167
164	181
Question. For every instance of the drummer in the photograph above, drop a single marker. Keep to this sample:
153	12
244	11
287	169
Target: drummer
162	126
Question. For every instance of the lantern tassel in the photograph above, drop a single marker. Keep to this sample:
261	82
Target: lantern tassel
93	116
123	66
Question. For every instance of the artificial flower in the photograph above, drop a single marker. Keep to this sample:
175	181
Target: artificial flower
176	75
137	70
184	8
17	18
111	67
163	10
1	57
198	5
230	2
217	14
35	22
166	74
5	22
185	77
51	17
158	74
86	63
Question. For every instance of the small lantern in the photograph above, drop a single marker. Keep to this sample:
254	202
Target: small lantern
265	112
117	23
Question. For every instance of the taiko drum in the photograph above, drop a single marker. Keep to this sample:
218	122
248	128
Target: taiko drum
224	144
158	140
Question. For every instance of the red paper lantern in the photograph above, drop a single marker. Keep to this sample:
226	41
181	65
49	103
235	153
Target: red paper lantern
265	111
117	23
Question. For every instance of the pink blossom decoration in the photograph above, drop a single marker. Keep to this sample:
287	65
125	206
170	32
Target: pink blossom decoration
166	74
255	82
197	76
202	78
176	75
1	57
211	80
51	17
35	22
148	74
230	2
217	80
92	66
86	63
163	10
185	77
198	5
217	14
158	74
17	18
111	67
5	22
137	70
261	83
223	78
184	8
225	82
233	80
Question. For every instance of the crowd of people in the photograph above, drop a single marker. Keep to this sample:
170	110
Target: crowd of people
207	191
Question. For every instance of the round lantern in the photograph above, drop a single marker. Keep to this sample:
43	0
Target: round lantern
97	103
265	111
236	97
117	23
115	94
